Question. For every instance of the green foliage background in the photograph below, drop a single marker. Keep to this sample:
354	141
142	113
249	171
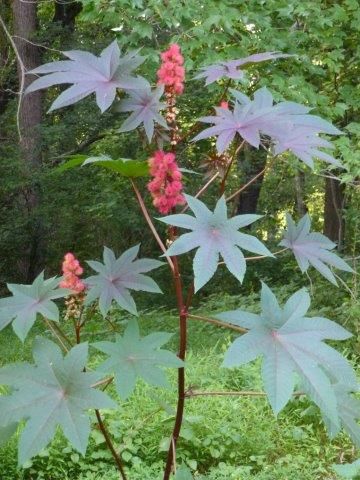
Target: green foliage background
84	209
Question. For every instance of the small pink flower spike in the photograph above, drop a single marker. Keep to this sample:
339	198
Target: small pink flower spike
171	72
71	270
166	185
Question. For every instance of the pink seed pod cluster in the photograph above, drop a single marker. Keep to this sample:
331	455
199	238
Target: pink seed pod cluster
166	186
71	271
171	72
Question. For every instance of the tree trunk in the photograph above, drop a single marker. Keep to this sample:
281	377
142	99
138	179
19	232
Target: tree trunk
66	12
6	78
334	225
30	116
251	161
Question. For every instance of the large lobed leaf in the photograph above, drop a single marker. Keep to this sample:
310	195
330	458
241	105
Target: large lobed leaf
349	412
348	470
288	124
183	473
230	69
214	234
312	248
55	391
116	276
27	301
145	106
88	73
290	343
131	356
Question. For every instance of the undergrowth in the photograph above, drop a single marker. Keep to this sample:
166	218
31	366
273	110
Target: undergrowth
222	437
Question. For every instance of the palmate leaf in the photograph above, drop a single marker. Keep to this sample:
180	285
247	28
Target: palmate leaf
131	356
230	69
289	343
28	301
116	276
183	473
145	106
90	74
248	119
349	412
55	391
312	248
214	234
348	470
288	124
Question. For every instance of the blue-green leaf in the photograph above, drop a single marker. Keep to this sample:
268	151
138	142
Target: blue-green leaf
28	301
214	234
55	391
291	343
131	356
116	276
348	470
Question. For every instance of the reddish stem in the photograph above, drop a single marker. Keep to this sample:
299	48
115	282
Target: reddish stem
202	190
244	187
110	445
181	371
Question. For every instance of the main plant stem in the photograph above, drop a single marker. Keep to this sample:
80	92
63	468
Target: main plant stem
171	456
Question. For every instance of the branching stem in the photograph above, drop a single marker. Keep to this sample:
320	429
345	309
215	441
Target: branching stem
110	445
150	223
244	187
219	323
243	393
59	336
202	189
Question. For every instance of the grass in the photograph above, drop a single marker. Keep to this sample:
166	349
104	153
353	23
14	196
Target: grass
222	437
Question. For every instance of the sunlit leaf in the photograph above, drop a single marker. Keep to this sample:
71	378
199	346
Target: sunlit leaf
230	69
88	73
145	106
288	125
312	248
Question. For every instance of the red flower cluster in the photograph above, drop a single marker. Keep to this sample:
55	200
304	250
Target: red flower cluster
172	73
71	269
166	186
